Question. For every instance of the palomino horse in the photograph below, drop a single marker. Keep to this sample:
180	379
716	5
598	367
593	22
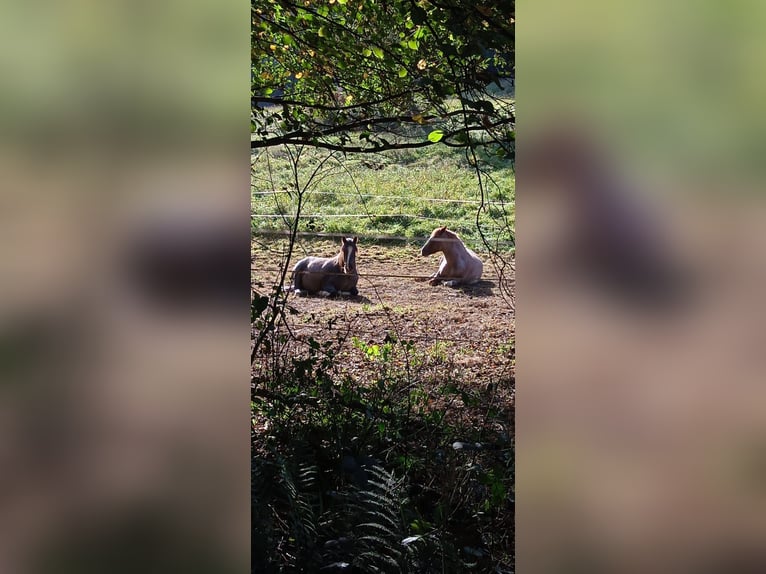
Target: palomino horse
459	266
327	276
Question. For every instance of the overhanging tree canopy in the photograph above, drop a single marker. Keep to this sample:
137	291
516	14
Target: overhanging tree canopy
372	75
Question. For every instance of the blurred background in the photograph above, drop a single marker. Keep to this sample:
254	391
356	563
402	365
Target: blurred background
124	335
641	424
641	427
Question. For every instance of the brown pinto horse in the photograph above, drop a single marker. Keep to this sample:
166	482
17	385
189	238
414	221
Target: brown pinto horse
328	276
459	266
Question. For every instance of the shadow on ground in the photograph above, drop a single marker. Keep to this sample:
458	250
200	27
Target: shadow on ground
337	297
481	289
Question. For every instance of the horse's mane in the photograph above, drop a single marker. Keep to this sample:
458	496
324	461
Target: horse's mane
451	234
442	231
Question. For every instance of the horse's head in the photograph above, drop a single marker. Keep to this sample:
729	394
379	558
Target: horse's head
436	241
348	254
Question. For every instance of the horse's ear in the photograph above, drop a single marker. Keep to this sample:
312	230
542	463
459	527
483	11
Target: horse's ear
443	228
355	239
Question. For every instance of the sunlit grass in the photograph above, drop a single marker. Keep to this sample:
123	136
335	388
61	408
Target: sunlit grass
405	193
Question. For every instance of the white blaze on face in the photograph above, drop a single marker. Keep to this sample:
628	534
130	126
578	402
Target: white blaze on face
349	255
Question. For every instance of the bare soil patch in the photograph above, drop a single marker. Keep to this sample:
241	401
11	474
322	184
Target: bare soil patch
470	329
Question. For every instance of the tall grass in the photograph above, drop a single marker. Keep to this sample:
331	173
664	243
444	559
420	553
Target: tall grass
404	193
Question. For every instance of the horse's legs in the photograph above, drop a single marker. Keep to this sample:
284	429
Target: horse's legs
436	278
298	286
459	282
331	291
328	289
297	277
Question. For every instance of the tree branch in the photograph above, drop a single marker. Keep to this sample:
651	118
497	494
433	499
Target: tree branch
307	138
255	100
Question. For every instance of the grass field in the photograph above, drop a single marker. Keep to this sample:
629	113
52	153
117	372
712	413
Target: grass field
405	193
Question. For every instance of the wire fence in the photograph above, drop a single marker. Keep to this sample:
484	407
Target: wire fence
343	215
494	240
381	283
396	197
384	292
500	275
484	277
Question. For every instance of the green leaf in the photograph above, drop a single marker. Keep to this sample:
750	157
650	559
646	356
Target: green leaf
402	72
412	44
322	32
366	52
435	136
378	52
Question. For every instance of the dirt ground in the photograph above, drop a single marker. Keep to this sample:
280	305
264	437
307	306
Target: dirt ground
471	328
